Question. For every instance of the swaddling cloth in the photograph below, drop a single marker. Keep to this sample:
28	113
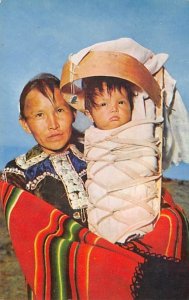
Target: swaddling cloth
122	174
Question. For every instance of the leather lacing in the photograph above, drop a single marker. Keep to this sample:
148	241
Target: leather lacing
125	149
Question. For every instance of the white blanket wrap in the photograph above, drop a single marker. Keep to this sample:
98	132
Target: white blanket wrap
122	174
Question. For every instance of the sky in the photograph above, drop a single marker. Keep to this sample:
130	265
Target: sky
37	36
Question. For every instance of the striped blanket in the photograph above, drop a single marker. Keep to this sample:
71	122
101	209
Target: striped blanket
60	259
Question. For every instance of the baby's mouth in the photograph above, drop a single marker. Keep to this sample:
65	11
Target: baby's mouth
114	118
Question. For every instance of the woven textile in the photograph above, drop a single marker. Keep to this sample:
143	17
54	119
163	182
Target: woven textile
63	260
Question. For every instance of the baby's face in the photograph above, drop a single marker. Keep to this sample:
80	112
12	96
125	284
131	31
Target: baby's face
112	109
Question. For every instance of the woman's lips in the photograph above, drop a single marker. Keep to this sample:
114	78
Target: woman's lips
56	136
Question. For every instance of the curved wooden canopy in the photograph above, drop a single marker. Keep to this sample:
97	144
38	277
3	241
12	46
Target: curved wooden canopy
106	63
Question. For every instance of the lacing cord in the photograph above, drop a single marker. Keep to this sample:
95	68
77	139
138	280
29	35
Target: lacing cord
123	149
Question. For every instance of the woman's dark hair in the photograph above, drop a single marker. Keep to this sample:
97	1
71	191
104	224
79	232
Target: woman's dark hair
93	85
43	83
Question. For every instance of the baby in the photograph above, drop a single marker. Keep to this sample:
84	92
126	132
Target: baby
126	156
121	153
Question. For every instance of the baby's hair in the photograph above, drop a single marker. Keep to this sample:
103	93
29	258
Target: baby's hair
92	86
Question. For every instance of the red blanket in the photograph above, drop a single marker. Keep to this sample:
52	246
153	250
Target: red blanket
63	260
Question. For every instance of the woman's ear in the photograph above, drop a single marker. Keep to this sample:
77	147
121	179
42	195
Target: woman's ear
24	125
88	114
74	115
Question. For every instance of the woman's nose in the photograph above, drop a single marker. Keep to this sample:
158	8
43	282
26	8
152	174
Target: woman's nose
53	122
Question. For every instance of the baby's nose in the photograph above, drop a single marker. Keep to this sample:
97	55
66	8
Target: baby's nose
114	107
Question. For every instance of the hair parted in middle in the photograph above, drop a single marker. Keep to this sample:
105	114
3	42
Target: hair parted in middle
43	82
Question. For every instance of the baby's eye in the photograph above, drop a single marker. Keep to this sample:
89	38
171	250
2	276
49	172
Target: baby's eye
103	104
122	102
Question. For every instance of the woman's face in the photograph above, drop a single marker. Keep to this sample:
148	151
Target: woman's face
50	122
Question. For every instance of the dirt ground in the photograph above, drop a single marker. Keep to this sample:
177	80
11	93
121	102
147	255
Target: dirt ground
12	284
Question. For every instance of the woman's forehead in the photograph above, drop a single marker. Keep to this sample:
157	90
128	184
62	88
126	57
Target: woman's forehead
37	98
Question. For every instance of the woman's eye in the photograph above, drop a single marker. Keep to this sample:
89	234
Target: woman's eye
60	110
39	115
